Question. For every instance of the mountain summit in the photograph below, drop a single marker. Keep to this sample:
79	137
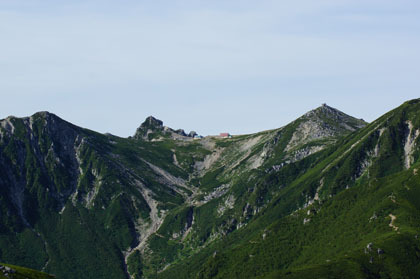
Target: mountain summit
150	125
325	196
333	119
324	122
152	129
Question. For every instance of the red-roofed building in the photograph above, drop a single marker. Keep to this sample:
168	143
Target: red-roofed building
225	135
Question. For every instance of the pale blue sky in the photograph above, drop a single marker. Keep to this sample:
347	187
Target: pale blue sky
209	66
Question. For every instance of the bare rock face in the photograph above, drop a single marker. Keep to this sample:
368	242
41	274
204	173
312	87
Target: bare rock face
323	122
192	134
181	132
150	125
321	127
152	129
6	271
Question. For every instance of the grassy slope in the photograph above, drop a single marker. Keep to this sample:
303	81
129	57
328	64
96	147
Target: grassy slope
332	242
25	273
67	235
260	198
250	188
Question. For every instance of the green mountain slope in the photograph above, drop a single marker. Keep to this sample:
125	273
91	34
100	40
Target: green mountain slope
319	197
17	272
356	214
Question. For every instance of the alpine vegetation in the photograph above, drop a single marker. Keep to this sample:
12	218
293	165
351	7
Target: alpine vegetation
326	196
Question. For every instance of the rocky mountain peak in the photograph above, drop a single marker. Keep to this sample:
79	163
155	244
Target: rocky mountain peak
153	127
324	122
334	118
325	109
152	123
53	124
48	117
44	114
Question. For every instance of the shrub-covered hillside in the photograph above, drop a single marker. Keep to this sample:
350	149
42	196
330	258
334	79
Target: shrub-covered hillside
326	196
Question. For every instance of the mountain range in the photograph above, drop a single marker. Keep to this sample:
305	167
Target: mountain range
326	196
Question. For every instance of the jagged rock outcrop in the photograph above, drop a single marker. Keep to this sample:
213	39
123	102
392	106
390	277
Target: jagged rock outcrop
150	125
192	134
153	129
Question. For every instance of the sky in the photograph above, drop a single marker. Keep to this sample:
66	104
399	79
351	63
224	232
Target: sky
235	66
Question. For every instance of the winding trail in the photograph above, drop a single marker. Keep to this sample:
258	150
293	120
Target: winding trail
391	224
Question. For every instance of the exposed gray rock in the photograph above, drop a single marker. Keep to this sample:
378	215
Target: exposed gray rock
192	134
154	127
409	145
368	248
150	125
217	193
6	271
180	132
323	122
374	217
